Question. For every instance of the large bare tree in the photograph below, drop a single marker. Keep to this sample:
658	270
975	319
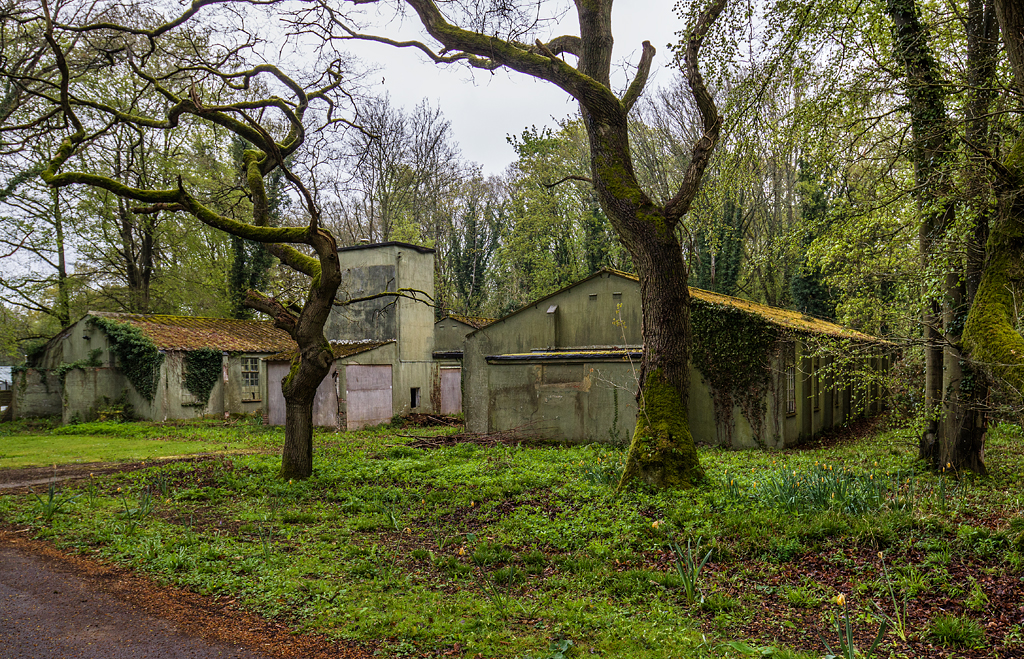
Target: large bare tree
260	104
662	453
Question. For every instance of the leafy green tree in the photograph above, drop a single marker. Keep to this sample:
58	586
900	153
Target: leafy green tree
810	293
467	246
719	257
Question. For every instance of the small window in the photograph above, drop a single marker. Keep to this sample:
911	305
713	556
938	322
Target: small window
593	297
414	397
250	378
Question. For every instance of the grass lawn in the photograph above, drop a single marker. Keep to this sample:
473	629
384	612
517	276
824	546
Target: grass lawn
23	445
420	545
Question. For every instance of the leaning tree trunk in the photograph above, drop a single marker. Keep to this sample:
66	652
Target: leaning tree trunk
299	389
315	355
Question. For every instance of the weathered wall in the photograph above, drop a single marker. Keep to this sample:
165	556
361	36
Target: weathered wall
325	404
371	320
449	334
565	400
372	269
36	393
404	376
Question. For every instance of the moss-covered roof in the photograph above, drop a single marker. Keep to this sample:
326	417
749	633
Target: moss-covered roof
341	349
476	322
192	333
783	317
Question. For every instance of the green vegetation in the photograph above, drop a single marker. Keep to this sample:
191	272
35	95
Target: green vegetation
137	356
202	368
519	551
107	441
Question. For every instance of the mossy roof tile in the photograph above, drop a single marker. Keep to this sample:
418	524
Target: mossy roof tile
191	332
476	322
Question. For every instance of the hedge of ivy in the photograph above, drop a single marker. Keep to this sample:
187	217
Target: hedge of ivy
202	368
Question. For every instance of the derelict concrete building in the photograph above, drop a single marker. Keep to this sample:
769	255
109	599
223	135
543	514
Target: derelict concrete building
79	372
566	367
383	343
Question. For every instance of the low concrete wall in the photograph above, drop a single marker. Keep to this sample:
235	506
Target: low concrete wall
36	393
85	389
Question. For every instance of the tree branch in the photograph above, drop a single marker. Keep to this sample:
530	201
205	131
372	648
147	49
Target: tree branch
679	205
643	71
570	177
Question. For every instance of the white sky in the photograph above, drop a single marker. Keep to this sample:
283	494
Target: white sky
484	107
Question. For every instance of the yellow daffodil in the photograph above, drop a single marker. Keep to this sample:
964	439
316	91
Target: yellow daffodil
840	599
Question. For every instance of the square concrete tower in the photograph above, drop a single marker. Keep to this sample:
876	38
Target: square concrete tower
379	268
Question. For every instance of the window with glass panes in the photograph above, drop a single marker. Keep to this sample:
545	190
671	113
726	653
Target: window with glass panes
250	378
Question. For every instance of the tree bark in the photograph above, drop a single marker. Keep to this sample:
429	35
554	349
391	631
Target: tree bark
990	332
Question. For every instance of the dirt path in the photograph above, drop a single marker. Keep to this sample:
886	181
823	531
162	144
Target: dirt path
56	605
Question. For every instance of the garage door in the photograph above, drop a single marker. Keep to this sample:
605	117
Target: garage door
368	395
451	390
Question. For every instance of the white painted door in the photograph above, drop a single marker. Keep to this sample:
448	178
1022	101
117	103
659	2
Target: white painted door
368	395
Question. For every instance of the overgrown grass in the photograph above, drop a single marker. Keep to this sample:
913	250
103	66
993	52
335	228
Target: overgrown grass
509	551
110	441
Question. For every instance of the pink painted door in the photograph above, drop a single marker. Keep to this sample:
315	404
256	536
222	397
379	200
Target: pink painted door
451	390
368	395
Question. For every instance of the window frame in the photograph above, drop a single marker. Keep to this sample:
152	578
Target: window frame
250	379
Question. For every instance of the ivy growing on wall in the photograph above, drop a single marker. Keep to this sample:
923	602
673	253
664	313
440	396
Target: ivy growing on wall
137	356
92	361
733	350
202	368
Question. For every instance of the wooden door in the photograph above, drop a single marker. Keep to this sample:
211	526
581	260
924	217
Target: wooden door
451	390
368	395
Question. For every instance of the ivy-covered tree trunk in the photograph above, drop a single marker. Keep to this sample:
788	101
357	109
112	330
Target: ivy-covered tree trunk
954	425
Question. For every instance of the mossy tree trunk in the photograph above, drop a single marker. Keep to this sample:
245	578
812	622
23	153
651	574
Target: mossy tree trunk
992	332
662	453
275	128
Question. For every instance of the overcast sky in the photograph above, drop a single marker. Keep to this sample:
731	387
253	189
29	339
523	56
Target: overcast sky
484	107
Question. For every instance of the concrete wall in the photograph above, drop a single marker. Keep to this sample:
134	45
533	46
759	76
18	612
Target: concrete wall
371	269
325	405
405	375
36	393
449	334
